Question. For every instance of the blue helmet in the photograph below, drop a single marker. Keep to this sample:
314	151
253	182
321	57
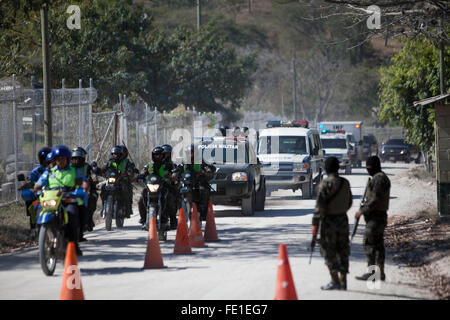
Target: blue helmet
49	157
61	151
43	152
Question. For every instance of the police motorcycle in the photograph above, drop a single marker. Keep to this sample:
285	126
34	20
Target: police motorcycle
194	190
52	222
186	191
156	204
112	207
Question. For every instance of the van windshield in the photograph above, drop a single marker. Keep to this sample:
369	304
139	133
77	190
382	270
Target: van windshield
286	144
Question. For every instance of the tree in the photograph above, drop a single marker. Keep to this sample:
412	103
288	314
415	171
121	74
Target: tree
413	76
121	49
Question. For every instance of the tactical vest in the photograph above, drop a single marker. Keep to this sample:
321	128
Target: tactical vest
339	204
381	197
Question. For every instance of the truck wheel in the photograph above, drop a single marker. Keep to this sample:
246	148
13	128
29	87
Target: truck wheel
248	205
261	198
307	190
348	169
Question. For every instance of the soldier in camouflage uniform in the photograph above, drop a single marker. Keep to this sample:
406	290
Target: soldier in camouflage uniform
374	207
333	201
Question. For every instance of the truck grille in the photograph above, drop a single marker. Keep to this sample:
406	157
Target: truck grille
283	166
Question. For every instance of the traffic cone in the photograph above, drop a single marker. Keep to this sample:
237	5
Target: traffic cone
182	245
285	288
153	257
195	231
210	227
71	287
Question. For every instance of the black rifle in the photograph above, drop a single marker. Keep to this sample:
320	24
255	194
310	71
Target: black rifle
355	227
313	244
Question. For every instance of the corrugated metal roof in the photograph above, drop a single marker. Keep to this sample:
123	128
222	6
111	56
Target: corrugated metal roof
431	100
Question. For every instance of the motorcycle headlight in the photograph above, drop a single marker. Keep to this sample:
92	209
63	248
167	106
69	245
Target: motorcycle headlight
239	176
111	180
153	187
49	204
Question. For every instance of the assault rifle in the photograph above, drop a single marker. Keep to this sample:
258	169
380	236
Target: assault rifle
313	244
355	227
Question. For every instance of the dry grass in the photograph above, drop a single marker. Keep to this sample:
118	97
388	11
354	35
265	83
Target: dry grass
14	228
423	244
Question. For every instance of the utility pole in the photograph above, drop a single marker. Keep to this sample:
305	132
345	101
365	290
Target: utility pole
199	14
46	77
441	58
294	84
249	2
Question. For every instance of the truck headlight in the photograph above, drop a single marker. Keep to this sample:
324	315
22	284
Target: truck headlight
300	166
239	176
49	204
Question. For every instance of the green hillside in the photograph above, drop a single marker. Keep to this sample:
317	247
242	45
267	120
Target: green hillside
337	72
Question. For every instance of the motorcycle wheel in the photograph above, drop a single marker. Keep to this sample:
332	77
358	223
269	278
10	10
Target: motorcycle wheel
48	249
162	235
186	206
108	213
120	218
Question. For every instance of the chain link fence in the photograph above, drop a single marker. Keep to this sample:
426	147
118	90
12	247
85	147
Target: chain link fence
139	127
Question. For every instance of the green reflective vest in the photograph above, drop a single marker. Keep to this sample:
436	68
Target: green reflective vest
62	178
195	167
122	165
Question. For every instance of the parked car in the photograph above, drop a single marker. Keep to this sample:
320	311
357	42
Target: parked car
370	146
395	150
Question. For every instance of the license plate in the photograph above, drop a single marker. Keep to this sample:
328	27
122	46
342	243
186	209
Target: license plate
214	187
392	158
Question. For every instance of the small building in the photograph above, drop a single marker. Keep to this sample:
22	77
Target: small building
441	105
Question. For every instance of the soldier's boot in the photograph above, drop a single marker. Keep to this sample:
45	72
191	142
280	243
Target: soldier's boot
364	277
382	274
343	280
334	284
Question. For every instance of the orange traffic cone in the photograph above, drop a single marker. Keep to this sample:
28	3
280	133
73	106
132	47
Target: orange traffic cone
210	227
195	231
71	286
285	288
153	257
182	245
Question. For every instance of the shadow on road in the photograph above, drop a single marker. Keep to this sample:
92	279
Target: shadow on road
374	293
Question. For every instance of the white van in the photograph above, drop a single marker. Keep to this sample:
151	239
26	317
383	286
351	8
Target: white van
292	156
337	145
353	130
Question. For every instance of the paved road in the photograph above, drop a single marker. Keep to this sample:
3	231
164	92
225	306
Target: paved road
242	265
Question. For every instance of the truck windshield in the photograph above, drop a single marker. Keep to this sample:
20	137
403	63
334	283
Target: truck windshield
225	152
333	143
395	142
286	144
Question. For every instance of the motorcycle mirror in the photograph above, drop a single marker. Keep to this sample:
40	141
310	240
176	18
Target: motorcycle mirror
21	177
